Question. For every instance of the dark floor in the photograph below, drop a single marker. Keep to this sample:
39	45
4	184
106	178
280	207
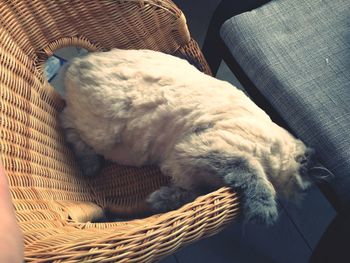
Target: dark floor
298	230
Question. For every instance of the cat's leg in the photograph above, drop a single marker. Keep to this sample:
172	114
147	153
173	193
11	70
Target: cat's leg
192	166
244	174
257	193
90	163
169	198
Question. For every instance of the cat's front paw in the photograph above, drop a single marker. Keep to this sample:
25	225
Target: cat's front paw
258	195
91	165
260	211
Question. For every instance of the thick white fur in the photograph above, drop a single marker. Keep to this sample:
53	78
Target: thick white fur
138	107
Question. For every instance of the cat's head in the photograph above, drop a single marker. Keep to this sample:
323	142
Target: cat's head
294	177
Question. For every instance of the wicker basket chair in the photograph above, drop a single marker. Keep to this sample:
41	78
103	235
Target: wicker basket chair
56	206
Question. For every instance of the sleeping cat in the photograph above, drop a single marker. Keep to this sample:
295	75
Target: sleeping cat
138	107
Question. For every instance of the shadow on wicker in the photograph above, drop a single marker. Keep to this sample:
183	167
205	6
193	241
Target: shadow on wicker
55	205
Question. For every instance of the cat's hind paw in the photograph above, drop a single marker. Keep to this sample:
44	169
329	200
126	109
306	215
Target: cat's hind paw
169	198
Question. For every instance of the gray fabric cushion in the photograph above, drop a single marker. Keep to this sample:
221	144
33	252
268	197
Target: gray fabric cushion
297	53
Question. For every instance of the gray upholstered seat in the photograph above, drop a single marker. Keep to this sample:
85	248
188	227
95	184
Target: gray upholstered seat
297	53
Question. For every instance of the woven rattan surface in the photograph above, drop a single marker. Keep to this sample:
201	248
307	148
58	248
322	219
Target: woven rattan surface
53	202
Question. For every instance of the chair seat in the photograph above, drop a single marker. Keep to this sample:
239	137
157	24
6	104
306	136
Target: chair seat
297	53
139	240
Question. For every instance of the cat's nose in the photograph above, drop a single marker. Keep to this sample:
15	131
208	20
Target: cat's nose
309	155
306	161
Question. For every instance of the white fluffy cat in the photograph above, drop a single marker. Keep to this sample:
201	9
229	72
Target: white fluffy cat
138	107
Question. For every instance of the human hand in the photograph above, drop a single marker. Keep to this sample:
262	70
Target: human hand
11	238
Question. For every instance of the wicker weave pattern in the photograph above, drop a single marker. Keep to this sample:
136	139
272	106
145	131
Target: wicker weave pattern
53	201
